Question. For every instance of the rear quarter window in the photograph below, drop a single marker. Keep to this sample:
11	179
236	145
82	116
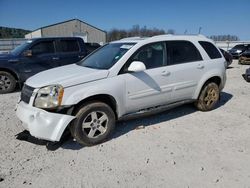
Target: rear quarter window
68	46
211	50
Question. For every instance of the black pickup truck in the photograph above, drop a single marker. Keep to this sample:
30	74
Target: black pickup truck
37	55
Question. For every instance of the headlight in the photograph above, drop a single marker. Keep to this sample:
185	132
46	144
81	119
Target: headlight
238	51
49	97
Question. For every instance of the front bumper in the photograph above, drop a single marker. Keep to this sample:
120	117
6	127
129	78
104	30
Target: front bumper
42	124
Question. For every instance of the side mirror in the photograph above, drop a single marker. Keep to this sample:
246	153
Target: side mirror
27	53
136	66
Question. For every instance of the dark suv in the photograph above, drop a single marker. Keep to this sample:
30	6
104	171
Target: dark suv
37	55
237	50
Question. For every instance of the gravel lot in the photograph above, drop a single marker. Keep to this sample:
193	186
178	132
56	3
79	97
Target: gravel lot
178	148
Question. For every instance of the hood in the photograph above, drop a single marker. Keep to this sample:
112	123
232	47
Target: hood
66	76
6	56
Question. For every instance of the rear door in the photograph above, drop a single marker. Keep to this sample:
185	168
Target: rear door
185	67
69	51
43	57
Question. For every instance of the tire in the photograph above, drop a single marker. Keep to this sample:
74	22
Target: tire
7	82
247	78
209	97
94	123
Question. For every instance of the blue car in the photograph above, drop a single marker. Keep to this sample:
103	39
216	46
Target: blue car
38	55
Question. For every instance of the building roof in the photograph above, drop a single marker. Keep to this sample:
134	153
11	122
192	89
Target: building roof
69	21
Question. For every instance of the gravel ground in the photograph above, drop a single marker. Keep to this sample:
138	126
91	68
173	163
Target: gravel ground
178	148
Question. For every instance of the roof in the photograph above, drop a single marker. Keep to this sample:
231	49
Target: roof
69	21
163	37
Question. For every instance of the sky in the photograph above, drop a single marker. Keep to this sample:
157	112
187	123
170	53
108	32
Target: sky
215	17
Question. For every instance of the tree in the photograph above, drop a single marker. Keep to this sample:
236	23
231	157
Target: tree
6	32
135	31
224	38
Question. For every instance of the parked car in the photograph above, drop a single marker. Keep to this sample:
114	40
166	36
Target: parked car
37	55
122	79
237	50
245	58
247	75
228	57
91	47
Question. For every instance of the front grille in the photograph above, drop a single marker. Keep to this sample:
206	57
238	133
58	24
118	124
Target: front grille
26	93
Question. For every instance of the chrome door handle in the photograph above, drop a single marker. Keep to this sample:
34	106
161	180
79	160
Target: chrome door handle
200	66
165	73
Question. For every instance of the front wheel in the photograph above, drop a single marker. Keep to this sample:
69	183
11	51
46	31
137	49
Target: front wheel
94	123
208	98
7	82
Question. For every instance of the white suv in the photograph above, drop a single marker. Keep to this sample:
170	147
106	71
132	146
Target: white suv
123	78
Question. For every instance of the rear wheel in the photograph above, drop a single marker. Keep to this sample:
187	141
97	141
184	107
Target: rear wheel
209	97
94	123
7	82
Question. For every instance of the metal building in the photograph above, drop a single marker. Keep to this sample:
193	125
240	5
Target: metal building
74	27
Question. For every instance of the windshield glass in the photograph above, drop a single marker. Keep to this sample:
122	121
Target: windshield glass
239	47
19	49
107	56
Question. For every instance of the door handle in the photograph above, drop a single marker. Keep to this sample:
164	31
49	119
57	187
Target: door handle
165	73
55	58
81	56
200	66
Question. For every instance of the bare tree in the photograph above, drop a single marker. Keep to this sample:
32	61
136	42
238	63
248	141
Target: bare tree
136	30
224	38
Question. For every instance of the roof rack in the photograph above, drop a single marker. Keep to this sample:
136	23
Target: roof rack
134	38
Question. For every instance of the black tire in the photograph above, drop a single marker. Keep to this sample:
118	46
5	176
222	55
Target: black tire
209	97
247	78
85	124
7	82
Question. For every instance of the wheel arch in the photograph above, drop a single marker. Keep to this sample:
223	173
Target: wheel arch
105	98
13	73
216	79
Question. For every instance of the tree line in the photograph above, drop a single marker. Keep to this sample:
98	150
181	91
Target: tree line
224	38
6	32
136	30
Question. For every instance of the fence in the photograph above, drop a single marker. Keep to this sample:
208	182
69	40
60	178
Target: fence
7	45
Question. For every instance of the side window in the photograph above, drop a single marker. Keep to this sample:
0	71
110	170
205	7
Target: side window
44	47
68	46
151	55
182	52
211	50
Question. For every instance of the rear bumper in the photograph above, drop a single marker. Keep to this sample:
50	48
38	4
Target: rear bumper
42	124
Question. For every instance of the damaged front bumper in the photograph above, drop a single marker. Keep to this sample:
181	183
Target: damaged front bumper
42	124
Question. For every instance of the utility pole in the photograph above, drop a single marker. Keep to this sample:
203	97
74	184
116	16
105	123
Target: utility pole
200	30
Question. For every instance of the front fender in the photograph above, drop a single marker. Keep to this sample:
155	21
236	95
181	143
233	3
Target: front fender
112	87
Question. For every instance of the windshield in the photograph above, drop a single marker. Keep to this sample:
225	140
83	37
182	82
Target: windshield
239	47
107	56
19	49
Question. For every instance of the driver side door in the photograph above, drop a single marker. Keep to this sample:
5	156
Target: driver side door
147	88
43	57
